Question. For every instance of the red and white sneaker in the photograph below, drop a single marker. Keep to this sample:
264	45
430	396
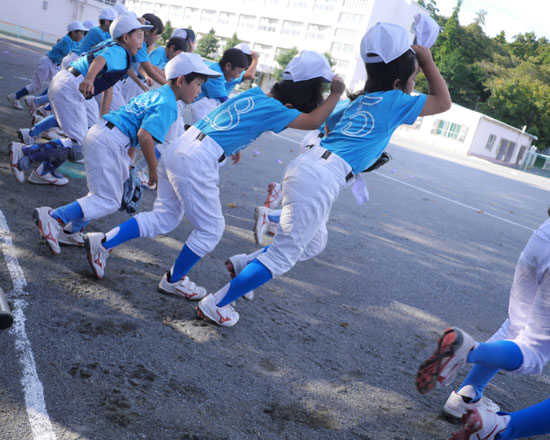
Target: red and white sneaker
459	402
478	424
25	137
14	101
49	228
234	266
261	224
225	316
274	195
184	287
16	154
29	102
450	355
97	254
71	238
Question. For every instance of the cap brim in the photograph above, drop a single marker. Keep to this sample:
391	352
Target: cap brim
144	27
209	73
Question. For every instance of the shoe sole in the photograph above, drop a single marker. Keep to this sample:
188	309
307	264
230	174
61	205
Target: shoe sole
13	104
230	268
13	167
469	428
179	295
90	257
427	376
38	223
451	418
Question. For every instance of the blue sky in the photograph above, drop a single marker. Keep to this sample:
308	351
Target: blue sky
512	16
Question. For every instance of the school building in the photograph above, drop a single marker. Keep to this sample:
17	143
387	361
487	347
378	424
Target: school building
472	133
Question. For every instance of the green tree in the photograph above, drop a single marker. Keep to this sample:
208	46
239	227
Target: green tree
208	44
168	29
283	59
232	42
431	7
330	59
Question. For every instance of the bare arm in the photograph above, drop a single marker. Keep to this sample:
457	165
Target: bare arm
313	120
439	99
251	71
86	87
147	144
106	100
154	73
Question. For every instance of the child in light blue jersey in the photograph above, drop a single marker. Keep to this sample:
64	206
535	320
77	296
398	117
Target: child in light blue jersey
161	55
189	169
355	143
143	122
48	65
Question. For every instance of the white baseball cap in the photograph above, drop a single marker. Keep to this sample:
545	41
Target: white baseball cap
426	30
244	48
387	41
76	25
120	8
125	23
308	65
185	63
89	24
108	13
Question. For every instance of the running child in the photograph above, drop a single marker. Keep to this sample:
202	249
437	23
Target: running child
145	120
189	169
521	345
48	65
356	142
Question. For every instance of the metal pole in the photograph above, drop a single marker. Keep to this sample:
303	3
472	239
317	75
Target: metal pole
6	317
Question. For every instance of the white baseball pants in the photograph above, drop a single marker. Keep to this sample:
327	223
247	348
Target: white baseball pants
200	108
45	71
310	187
188	175
107	168
528	323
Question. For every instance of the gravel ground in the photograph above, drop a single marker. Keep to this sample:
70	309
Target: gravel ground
328	351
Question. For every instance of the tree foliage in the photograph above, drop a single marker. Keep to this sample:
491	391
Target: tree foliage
168	29
208	44
509	81
232	42
283	59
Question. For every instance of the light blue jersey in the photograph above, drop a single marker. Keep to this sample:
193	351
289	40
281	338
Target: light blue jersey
61	49
142	56
335	116
153	111
115	57
95	36
158	57
366	126
214	88
239	121
230	85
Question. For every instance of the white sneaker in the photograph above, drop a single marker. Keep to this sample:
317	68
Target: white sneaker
460	402
272	228
97	254
184	287
49	227
14	101
36	119
25	137
71	238
274	195
484	424
53	133
50	178
16	153
29	102
260	226
225	316
450	355
234	266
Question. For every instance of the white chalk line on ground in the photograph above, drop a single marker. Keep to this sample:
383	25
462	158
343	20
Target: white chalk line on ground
456	202
32	387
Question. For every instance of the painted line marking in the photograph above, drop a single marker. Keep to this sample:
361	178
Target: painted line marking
456	202
32	387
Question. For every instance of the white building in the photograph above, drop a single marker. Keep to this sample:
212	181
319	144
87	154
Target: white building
271	26
472	133
47	20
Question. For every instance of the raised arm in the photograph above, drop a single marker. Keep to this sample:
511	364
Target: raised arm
439	99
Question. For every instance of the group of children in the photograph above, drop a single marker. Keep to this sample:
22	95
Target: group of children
117	60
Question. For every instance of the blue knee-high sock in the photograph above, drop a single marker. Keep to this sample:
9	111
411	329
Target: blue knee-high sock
48	107
20	93
251	277
478	377
76	225
121	234
185	261
505	355
42	99
527	422
45	92
68	213
45	124
274	218
54	151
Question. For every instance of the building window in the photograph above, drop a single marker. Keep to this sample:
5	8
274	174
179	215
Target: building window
175	12
292	28
160	9
346	17
418	123
298	4
521	153
341	64
317	32
324	5
505	150
191	15
490	142
341	47
227	18
450	130
264	50
357	4
346	34
247	21
273	2
208	16
268	24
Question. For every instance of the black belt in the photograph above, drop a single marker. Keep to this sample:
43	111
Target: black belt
200	137
110	125
75	72
321	134
327	154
